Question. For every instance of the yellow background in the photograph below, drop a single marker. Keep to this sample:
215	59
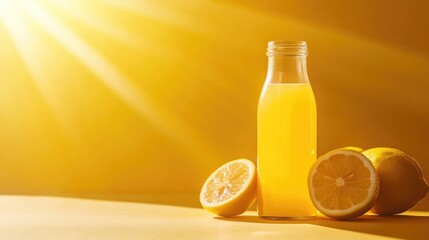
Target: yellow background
143	96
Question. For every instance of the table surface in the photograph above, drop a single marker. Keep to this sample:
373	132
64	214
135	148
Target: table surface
30	217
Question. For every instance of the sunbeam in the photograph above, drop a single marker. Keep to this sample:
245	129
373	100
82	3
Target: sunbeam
79	13
28	47
146	46
106	72
98	65
151	9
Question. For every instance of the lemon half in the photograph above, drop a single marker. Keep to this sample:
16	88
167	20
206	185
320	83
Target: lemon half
343	184
231	189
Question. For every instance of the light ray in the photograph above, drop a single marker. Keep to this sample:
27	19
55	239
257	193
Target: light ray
96	63
147	46
149	9
116	81
27	46
183	17
175	15
108	28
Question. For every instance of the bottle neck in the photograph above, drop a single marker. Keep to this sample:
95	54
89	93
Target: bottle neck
287	69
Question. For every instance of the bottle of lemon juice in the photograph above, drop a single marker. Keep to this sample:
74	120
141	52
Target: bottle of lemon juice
286	134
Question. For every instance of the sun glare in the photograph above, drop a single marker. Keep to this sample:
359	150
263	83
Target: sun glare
13	14
27	47
6	6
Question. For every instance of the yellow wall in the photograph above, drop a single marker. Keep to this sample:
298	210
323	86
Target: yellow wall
150	96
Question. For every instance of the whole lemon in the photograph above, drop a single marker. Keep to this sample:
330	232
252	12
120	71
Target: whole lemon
402	183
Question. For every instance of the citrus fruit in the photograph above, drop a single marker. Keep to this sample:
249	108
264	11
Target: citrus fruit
357	149
231	189
402	183
343	184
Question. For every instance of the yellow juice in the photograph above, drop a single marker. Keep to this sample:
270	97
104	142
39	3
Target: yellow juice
286	149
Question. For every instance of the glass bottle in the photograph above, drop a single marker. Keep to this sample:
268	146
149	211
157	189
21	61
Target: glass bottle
287	132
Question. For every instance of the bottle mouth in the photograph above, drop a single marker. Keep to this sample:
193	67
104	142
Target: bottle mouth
287	48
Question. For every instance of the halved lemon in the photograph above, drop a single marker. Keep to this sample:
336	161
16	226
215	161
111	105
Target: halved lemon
343	184
231	189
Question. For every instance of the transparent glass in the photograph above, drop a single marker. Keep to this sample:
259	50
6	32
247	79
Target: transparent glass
287	132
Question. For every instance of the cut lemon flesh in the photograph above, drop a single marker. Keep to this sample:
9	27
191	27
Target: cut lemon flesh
343	184
231	189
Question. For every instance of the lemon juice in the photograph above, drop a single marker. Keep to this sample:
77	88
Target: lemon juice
286	149
286	132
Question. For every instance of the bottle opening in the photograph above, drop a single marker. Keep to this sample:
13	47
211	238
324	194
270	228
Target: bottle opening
287	48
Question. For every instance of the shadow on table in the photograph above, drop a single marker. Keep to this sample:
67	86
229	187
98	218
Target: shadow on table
398	226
